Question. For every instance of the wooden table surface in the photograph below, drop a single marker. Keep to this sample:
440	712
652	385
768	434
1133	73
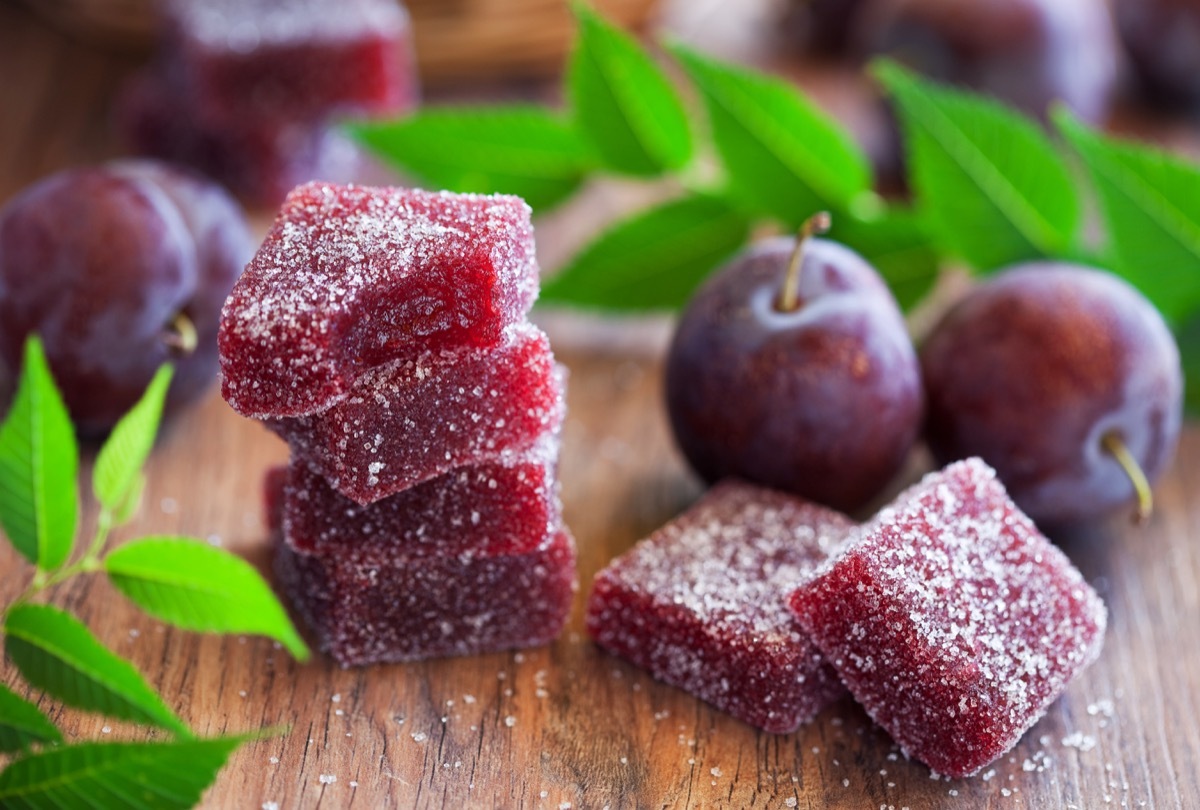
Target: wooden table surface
568	725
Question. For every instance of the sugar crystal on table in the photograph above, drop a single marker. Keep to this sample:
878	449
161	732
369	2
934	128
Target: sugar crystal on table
701	604
505	506
292	59
351	278
373	601
953	620
416	419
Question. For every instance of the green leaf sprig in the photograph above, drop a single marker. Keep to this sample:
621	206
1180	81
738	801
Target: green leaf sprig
182	581
991	186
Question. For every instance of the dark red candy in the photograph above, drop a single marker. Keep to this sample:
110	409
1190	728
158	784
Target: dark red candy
372	601
953	620
258	160
351	278
417	419
701	604
502	507
299	60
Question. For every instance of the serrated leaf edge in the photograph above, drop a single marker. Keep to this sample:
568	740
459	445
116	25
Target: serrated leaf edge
168	719
1037	231
810	172
188	588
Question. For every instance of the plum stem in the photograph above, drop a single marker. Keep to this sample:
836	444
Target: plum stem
1116	447
789	296
181	334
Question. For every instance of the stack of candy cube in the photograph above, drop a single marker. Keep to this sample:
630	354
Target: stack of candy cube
949	616
382	332
245	90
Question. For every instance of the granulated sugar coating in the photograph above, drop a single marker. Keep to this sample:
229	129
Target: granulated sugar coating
350	278
953	621
418	419
369	603
701	604
260	161
300	60
503	507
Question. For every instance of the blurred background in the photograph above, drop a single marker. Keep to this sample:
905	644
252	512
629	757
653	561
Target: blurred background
1132	65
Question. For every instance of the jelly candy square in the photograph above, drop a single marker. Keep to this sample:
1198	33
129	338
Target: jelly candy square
953	620
351	278
259	161
370	602
505	506
702	604
295	59
417	419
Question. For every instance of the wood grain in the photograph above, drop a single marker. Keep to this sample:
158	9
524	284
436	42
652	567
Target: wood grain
568	724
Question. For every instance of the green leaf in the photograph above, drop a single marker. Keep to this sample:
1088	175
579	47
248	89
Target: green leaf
133	500
123	455
197	587
38	461
134	776
623	104
898	245
652	261
56	653
1188	337
522	150
22	724
991	183
1150	201
784	157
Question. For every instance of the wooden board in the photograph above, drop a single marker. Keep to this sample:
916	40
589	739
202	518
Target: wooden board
568	724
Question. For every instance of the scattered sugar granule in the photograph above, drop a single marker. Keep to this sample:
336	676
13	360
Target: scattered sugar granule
510	721
790	801
1084	742
327	779
270	806
468	699
420	736
274	760
337	698
106	730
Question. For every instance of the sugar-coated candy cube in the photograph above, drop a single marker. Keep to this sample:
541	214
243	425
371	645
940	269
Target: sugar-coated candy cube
417	419
953	620
702	604
351	278
259	161
293	59
505	506
370	603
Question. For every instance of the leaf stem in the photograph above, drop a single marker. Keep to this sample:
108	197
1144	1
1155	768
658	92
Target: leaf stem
789	296
88	563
